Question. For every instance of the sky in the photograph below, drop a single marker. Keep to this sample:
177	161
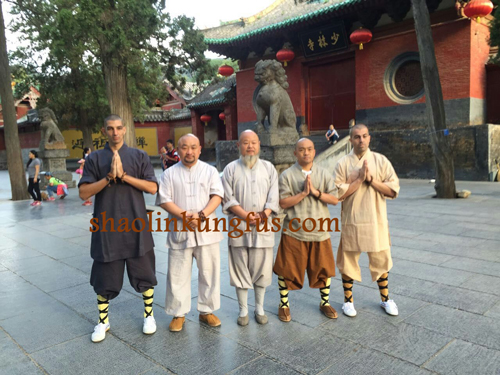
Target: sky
206	13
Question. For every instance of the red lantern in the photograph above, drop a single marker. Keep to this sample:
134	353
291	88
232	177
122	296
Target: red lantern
206	119
222	116
285	55
361	36
478	8
226	70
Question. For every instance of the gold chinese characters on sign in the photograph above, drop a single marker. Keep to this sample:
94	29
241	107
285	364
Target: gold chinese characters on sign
326	39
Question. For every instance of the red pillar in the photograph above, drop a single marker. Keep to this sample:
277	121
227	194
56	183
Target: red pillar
198	128
231	122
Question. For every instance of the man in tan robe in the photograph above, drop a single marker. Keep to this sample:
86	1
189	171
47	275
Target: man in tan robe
365	180
251	194
306	190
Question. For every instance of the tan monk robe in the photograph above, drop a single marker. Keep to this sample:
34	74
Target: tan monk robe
364	213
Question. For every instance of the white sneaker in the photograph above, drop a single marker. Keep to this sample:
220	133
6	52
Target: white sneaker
348	309
149	326
99	333
390	307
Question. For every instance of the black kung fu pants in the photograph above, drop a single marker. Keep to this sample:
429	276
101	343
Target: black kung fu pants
107	278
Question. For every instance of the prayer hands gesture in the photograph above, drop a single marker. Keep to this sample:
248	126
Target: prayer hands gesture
363	171
116	167
312	190
307	186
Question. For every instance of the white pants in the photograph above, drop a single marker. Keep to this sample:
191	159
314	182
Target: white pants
249	266
180	264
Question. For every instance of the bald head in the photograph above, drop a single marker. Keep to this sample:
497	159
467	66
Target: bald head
189	149
304	142
356	128
187	138
247	133
249	145
305	152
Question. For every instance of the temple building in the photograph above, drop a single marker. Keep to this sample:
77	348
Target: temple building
332	80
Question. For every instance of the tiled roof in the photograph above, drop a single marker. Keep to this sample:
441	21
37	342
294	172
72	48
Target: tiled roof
281	14
173	114
215	94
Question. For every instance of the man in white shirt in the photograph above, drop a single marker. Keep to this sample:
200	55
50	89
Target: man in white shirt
251	192
190	192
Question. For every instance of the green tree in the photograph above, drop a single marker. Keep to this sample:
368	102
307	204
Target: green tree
13	148
495	30
135	44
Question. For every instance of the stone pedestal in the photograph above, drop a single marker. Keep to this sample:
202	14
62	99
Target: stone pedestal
54	161
278	146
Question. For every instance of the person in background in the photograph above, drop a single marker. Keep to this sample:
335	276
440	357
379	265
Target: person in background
331	135
86	152
33	168
55	186
169	155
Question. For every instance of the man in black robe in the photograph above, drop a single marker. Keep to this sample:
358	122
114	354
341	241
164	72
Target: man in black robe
118	176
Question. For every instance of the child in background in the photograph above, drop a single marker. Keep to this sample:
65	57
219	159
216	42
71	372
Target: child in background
79	171
55	186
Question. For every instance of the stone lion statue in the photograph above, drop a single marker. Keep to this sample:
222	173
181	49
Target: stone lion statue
51	137
271	99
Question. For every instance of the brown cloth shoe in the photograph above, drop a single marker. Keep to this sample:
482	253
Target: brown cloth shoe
284	314
176	324
329	311
210	319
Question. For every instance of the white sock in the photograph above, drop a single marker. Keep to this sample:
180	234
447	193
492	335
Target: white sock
242	295
259	299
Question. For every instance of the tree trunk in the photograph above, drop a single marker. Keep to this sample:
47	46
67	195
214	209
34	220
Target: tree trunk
15	164
87	135
115	78
436	123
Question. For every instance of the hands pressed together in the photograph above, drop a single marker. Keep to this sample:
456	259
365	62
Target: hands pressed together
309	188
116	171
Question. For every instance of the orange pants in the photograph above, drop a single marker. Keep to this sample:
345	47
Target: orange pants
295	257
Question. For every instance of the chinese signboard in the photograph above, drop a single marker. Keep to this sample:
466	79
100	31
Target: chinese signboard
326	39
146	139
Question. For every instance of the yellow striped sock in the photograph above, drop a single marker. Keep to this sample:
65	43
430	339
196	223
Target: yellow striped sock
147	297
283	292
325	293
103	307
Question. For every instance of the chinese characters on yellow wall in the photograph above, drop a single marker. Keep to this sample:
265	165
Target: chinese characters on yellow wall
146	138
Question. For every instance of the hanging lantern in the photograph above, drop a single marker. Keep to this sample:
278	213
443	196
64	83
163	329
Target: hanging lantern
285	55
361	36
222	116
478	8
206	119
226	70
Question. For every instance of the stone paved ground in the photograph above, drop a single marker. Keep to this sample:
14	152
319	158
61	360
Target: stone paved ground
446	281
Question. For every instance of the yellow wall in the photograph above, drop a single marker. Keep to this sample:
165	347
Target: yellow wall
179	132
147	140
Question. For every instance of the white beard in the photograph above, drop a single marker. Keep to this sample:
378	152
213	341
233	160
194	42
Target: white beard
249	160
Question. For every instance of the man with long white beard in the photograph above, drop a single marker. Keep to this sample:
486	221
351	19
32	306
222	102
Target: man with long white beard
251	193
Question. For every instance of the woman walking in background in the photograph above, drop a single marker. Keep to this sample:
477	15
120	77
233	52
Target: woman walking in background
86	152
33	167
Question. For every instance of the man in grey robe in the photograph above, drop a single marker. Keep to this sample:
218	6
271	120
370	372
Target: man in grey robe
251	194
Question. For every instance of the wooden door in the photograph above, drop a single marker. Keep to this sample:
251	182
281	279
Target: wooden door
332	98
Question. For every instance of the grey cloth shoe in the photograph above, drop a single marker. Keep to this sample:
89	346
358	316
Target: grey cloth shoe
261	319
243	320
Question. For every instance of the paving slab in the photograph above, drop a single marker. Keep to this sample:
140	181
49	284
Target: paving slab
483	283
478	329
20	252
13	360
264	366
82	356
313	353
365	361
465	358
456	297
494	312
420	256
37	331
474	265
